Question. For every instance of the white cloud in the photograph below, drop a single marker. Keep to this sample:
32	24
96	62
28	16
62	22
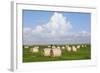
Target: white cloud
38	29
26	29
83	34
56	30
56	26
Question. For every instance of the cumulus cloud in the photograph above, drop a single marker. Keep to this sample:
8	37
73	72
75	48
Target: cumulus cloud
57	25
55	30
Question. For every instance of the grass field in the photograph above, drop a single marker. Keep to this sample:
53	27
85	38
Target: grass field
82	53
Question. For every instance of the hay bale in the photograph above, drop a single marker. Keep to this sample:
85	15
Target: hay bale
63	47
35	49
58	47
56	52
67	46
85	45
82	45
53	47
78	46
26	46
49	46
68	49
47	51
74	49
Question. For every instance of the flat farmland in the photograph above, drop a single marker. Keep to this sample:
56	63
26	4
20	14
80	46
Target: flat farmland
83	52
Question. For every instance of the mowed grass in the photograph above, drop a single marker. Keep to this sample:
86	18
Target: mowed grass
82	53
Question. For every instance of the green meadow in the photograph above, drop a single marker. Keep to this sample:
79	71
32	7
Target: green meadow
83	53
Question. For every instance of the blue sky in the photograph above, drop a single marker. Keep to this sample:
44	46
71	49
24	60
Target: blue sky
79	22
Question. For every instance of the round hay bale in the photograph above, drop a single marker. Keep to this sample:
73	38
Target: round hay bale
78	46
63	47
74	49
53	47
49	46
68	49
26	46
58	47
57	52
35	50
47	51
67	45
82	45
